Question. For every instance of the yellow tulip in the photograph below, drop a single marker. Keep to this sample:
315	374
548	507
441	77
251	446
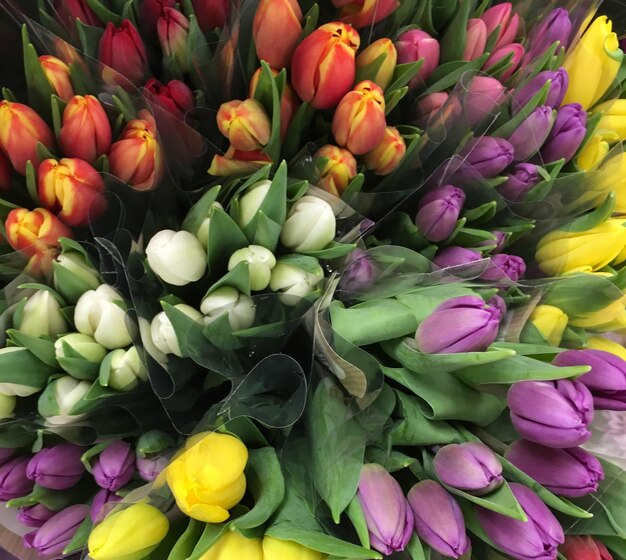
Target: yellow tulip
593	64
233	546
128	534
593	154
561	252
550	321
612	317
606	345
613	178
613	119
208	479
276	549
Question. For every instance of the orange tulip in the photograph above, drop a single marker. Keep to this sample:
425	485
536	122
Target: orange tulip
58	74
382	49
237	162
86	132
288	101
359	121
387	156
276	31
21	129
136	158
72	189
338	171
362	13
5	173
245	124
323	65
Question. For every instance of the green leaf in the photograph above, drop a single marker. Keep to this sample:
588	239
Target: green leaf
514	122
200	210
238	277
417	550
22	367
357	518
79	540
103	13
332	251
40	347
39	88
500	500
394	98
592	219
454	39
212	532
449	74
483	213
187	541
402	75
89	38
225	237
580	294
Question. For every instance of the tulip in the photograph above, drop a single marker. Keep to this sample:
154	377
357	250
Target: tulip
149	13
86	132
500	18
608	319
73	275
162	331
79	355
556	91
471	467
338	170
278	549
5	173
613	117
606	345
485	156
439	211
556	26
500	241
137	157
149	468
381	57
532	133
202	233
175	97
310	225
239	307
476	39
122	49
414	45
429	106
387	514
295	277
245	124
593	64
173	32
591	156
125	370
571	473
72	189
234	545
289	102
455	256
276	31
567	134
57	402
550	321
482	97
606	380
260	263
13	480
612	177
585	548
21	374
535	539
521	178
176	257
98	314
7	405
365	13
6	453
445	531
34	516
56	533
211	14
461	324
553	413
71	10
58	467
507	268
21	129
42	316
130	533
359	272
324	65
561	252
208	478
58	75
115	466
388	154
515	51
102	503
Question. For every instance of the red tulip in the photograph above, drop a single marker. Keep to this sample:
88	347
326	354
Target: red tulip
122	49
211	14
362	13
276	31
175	97
584	548
150	11
71	10
58	74
173	31
86	132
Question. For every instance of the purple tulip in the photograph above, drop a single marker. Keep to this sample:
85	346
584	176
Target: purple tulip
557	26
521	179
486	157
532	133
149	468
98	510
509	268
484	94
498	303
387	514
34	516
365	225
461	324
58	467
567	134
559	81
56	533
471	467
13	480
500	241
438	519
553	413
115	466
455	256
6	453
359	272
535	539
439	211
571	473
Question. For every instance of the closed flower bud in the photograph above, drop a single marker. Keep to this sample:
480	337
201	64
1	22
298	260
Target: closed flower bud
500	17
208	478
338	171
613	117
295	277
245	124
553	413
482	98
429	106
102	503
115	466
584	548
162	331
556	26
173	32
58	467
149	13
260	263
521	178
310	225
504	269
149	468
365	13
276	31
606	345
556	91
42	316
476	39
13	480
388	154
211	14
471	467
359	272
55	534
550	321
71	10
484	157
176	257
79	355
277	549
461	324
34	516
591	155
568	133
444	532
202	234
122	49
7	405
175	96
125	370
239	307
232	545
387	514
324	65
289	101
455	256
515	51
381	57
532	133
58	74
86	132
414	45
59	398
130	533
21	129
439	211
73	275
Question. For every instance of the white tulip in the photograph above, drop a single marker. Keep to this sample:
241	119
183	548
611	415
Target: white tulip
240	307
126	369
60	397
251	201
203	231
163	333
21	373
42	316
176	257
73	275
83	344
260	263
293	282
310	225
7	405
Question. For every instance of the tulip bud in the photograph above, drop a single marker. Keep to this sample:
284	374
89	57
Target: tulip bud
150	11
71	10
7	405
295	277
115	466
232	545
86	132
60	397
556	92
507	24
99	314
239	307
323	65
613	118
550	321
13	480
176	257
21	129
455	256
260	263
483	96
73	275
162	331
471	467
173	32
532	133
58	75
289	101
276	31
122	49
556	26
388	154
245	124
521	178
34	516
211	14
125	370
202	233
388	516
56	533
251	201
445	531
110	539
428	106
507	268
592	154
381	57
568	132
514	50
102	504
278	549
42	316
476	39
361	14
606	345
359	272
484	156
149	468
175	97
553	413
584	548
310	225
414	45
439	211
338	171
572	473
58	467
79	355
